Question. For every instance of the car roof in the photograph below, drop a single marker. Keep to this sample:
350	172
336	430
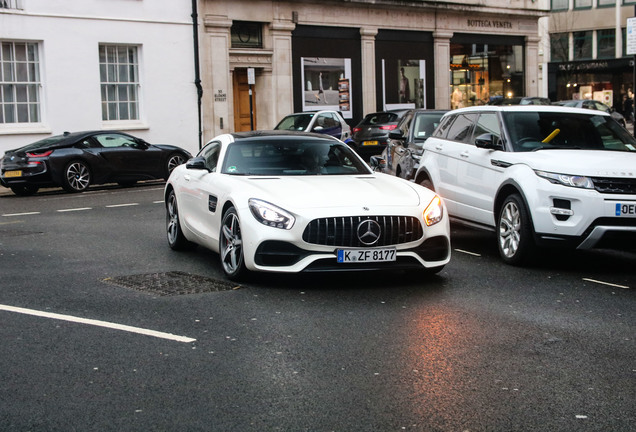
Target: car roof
528	108
280	134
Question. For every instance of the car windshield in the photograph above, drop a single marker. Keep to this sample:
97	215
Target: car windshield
295	122
381	118
530	131
260	157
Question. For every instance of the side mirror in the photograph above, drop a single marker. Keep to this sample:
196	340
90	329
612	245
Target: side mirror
197	163
396	134
377	163
488	141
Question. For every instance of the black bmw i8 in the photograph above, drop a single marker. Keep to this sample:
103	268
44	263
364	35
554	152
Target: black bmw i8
74	161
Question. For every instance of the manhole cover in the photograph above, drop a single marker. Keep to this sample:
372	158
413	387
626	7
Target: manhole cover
171	283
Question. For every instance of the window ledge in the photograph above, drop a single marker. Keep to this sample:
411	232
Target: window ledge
24	129
125	125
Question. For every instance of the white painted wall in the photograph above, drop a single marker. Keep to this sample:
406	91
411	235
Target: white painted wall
69	33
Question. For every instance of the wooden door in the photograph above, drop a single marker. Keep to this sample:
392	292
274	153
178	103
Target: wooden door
242	102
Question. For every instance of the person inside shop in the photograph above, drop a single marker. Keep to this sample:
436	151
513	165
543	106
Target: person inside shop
405	91
457	98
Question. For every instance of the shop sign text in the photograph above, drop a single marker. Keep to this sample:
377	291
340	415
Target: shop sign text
484	23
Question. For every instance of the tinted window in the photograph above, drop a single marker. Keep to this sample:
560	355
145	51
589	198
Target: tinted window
488	124
297	122
380	118
444	126
425	124
462	128
211	155
551	130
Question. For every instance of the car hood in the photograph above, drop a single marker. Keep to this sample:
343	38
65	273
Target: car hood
593	163
304	192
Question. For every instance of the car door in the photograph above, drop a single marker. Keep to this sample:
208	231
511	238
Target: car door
199	196
127	157
448	154
326	123
396	151
478	173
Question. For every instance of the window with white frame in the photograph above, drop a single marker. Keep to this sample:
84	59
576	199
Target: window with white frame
119	77
19	82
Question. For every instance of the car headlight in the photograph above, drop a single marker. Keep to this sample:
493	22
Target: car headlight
270	215
434	211
567	180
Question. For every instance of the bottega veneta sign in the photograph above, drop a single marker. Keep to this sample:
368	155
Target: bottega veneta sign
489	23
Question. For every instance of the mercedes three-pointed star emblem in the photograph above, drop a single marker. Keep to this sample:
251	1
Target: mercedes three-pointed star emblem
369	232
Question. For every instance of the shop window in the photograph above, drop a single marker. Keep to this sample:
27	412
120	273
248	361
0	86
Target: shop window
403	83
559	47
483	72
606	43
246	34
583	45
582	4
559	5
327	84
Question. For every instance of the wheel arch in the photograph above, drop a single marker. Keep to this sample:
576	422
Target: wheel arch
505	190
421	175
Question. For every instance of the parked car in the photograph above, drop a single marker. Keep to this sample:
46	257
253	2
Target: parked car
371	135
74	161
289	202
536	176
324	122
402	154
526	100
595	105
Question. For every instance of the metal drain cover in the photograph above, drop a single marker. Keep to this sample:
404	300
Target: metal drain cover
171	283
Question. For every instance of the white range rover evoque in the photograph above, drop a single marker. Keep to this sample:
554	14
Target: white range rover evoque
536	175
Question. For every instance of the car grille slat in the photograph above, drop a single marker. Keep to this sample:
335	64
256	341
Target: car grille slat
611	185
342	231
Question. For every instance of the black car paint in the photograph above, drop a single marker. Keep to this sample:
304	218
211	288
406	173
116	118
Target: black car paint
143	161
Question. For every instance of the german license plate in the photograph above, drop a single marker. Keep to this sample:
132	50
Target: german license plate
366	255
13	173
623	209
369	143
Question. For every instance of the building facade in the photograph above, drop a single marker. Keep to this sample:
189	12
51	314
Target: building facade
263	59
97	64
587	49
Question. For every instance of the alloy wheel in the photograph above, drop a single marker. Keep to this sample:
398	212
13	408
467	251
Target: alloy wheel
510	229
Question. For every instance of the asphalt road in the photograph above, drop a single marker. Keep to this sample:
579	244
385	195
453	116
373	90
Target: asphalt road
480	347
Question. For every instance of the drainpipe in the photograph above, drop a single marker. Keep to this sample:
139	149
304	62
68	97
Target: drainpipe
197	75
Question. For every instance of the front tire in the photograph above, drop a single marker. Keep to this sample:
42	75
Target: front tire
76	177
515	237
231	246
176	239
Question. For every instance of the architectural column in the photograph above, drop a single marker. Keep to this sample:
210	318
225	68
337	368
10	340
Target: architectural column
367	49
217	87
532	66
282	73
441	43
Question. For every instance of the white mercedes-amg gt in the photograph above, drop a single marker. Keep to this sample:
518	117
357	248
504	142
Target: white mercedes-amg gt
291	202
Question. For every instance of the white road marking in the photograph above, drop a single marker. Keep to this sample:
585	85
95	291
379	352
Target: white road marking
468	253
98	323
606	283
20	214
122	205
158	202
74	209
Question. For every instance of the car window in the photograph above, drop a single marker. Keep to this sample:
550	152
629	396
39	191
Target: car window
461	129
445	124
425	124
115	140
211	155
291	157
298	122
380	118
488	123
557	130
601	107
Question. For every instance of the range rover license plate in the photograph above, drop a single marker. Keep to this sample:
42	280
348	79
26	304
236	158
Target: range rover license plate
366	255
623	209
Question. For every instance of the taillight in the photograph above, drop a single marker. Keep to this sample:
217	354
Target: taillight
356	130
39	155
388	127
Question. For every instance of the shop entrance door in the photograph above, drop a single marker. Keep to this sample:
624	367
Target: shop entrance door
242	101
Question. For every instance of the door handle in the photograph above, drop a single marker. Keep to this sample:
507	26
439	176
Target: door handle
439	147
465	154
186	177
